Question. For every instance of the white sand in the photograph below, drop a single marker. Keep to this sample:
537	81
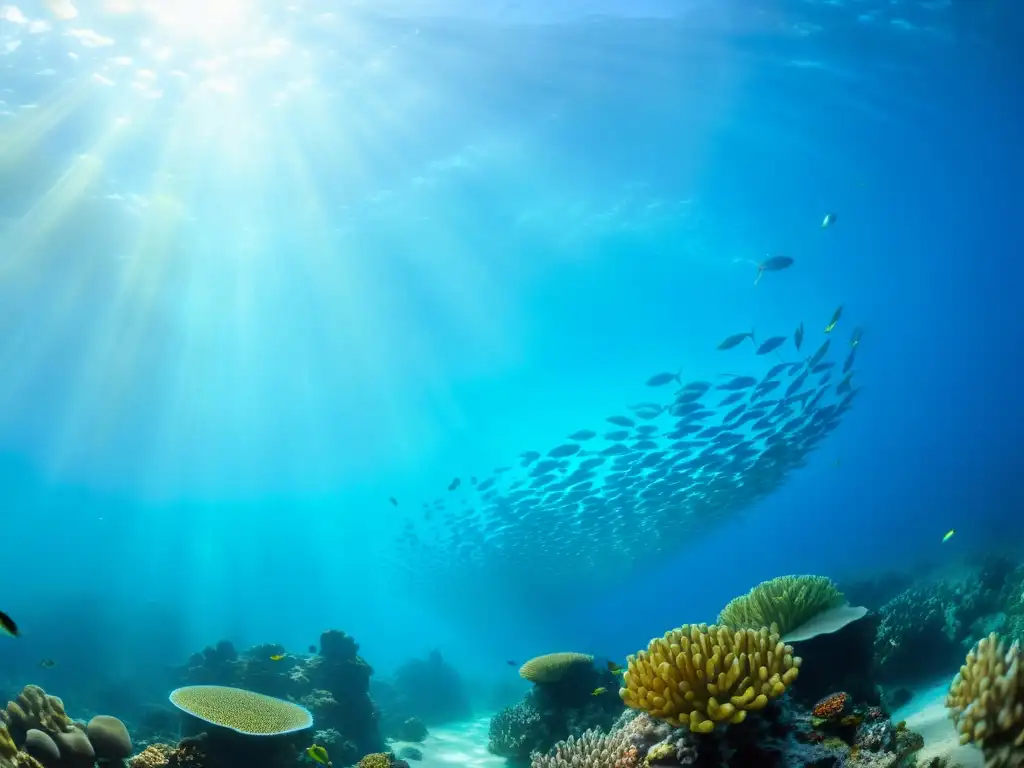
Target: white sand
926	713
448	746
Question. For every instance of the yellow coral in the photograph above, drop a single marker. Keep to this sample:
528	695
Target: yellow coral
376	760
986	701
243	711
698	676
10	756
786	601
552	667
153	756
34	709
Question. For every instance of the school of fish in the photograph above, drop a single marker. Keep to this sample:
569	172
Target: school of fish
642	483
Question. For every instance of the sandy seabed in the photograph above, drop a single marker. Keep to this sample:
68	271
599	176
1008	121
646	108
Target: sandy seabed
450	746
926	713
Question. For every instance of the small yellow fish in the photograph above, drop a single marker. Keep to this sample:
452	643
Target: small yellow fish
949	535
318	754
599	691
835	319
277	657
614	668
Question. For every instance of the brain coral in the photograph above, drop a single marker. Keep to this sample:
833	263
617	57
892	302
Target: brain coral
243	711
986	701
552	667
786	601
698	676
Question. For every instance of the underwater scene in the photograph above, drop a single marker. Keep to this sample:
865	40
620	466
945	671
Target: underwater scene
490	384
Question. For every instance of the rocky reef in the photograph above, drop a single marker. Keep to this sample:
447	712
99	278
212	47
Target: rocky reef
333	684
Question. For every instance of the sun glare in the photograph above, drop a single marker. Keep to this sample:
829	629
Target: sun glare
214	23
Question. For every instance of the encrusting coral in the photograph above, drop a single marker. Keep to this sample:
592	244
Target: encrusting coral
785	601
552	667
986	701
698	676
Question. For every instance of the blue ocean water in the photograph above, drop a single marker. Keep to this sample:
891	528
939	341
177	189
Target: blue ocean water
265	269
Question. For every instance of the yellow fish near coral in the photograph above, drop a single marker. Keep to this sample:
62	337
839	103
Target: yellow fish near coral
277	657
599	691
318	754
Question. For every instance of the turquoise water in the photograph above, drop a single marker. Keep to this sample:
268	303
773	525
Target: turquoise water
265	269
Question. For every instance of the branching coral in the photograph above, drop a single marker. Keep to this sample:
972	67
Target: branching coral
593	749
376	760
699	676
552	667
515	732
785	601
986	701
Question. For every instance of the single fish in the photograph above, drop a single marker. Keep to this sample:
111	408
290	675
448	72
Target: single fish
7	625
614	668
855	338
455	483
598	691
564	451
47	663
512	663
661	379
774	264
735	340
849	361
739	382
618	434
393	500
621	421
949	535
583	435
835	319
828	221
277	657
798	337
770	345
822	351
318	754
312	649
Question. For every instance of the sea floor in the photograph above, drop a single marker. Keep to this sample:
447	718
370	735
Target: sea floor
926	713
465	744
449	746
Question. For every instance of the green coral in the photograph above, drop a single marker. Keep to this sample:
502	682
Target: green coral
786	602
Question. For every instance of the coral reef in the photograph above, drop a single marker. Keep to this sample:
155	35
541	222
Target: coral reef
986	702
429	690
35	725
567	702
333	685
785	601
925	629
784	736
699	676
